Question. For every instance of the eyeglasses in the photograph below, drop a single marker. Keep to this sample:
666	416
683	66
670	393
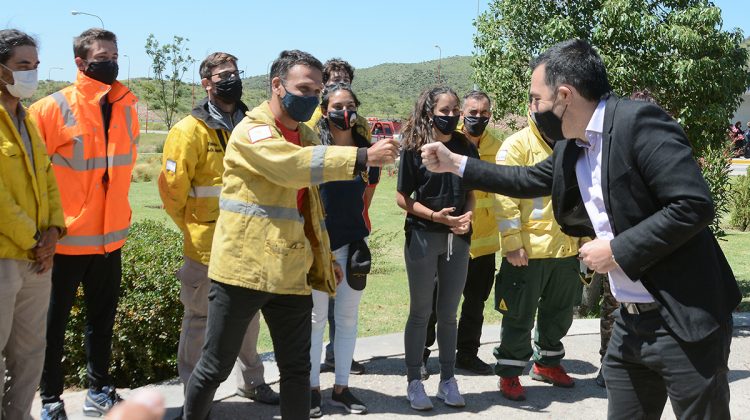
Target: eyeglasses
228	75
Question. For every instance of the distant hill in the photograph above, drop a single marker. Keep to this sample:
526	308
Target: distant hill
387	90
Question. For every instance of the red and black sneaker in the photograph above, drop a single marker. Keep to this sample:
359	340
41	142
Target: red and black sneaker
511	388
554	375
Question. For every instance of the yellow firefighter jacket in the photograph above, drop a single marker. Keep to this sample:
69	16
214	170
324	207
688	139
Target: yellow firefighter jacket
29	199
190	178
262	241
484	236
529	223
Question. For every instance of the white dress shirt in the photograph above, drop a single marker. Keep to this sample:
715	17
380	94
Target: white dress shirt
589	175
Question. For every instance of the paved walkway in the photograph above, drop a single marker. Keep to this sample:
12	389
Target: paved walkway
383	388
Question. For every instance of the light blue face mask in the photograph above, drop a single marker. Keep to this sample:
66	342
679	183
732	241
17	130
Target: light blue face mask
299	108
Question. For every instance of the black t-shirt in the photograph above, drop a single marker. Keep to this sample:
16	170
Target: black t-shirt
432	190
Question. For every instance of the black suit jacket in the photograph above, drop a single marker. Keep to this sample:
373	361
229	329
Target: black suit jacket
658	204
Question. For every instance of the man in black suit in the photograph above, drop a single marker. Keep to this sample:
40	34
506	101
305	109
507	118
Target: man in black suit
627	176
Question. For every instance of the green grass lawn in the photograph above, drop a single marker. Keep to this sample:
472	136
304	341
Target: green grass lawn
385	302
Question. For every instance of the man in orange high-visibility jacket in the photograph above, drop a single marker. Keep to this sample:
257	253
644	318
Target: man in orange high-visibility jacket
91	130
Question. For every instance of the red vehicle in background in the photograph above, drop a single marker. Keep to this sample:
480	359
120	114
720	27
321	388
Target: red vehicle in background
384	128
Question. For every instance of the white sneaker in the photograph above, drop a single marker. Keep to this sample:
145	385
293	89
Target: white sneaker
448	392
417	397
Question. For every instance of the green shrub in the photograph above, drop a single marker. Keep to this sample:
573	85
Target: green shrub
146	171
715	165
379	242
149	315
739	216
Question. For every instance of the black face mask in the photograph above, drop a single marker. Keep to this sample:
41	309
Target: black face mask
475	125
229	90
343	119
444	123
549	124
102	71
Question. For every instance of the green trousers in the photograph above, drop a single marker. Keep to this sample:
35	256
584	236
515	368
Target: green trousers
550	285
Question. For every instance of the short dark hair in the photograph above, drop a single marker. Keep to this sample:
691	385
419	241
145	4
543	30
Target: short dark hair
215	60
337	64
575	62
478	95
290	58
82	43
12	38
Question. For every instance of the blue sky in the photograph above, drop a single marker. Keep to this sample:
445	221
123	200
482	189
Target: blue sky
365	33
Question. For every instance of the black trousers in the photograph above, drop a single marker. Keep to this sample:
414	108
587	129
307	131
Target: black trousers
101	276
480	277
646	363
479	280
230	309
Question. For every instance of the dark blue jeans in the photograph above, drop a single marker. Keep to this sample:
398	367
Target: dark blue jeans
230	309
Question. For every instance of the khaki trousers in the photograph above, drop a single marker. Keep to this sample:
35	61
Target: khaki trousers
24	299
194	288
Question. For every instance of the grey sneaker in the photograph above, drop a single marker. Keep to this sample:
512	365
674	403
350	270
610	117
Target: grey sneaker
417	397
261	393
448	392
54	411
98	403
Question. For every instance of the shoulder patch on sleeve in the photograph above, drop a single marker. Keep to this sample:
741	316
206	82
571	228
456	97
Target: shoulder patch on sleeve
258	133
501	155
171	166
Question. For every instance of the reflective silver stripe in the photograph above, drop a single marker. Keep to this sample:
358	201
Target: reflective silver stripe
508	224
129	124
511	362
538	212
78	163
121	160
317	163
67	113
252	209
323	225
549	352
94	240
201	192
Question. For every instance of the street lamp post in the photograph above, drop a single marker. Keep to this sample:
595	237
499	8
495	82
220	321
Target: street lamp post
128	57
49	73
76	12
192	84
476	32
440	59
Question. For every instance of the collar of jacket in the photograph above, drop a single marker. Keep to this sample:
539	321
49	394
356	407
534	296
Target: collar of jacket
264	114
95	89
200	112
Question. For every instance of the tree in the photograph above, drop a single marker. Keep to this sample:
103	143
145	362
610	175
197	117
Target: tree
674	48
169	63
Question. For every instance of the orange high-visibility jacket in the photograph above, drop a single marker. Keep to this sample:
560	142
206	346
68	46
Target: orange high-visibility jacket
97	211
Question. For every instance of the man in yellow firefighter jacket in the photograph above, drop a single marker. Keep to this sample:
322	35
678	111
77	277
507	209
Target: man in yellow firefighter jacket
190	185
539	270
480	276
270	246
